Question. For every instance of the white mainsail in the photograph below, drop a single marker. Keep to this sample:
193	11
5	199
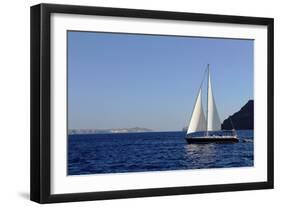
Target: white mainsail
197	121
213	121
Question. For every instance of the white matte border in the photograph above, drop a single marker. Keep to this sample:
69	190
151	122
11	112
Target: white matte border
61	183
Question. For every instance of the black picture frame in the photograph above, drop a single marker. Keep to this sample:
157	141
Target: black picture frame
41	96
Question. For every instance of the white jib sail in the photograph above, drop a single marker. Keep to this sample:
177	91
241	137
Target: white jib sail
197	121
214	123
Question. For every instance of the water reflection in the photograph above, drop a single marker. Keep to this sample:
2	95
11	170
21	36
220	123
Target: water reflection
201	155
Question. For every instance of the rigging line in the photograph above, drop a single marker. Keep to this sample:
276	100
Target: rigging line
207	111
232	125
231	122
196	97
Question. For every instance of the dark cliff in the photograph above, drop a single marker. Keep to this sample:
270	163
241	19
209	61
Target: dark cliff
243	119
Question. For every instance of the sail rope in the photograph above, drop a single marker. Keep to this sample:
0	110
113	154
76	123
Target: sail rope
232	125
204	75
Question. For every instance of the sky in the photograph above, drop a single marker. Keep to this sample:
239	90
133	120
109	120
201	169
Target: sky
132	80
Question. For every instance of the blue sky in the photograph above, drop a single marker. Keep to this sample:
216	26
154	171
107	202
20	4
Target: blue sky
128	80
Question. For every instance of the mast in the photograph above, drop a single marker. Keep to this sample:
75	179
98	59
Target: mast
208	66
213	120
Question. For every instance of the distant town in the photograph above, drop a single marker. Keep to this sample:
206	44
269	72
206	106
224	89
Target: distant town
105	131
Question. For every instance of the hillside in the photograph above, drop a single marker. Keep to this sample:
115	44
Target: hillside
243	119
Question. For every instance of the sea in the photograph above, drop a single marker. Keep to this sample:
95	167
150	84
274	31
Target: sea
153	151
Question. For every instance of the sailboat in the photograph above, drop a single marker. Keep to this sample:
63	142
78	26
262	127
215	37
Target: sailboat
201	129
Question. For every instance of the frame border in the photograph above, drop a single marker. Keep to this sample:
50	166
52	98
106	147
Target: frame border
40	100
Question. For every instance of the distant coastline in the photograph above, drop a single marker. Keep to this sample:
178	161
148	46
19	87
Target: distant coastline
242	119
106	131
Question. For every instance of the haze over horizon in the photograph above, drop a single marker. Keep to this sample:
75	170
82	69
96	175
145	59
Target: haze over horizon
127	81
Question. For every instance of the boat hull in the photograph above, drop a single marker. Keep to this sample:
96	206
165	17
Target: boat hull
212	139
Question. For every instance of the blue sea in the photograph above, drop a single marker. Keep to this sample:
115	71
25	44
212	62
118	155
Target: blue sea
153	151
